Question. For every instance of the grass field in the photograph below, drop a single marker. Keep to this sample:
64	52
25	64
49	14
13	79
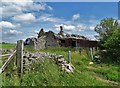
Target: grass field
7	46
47	73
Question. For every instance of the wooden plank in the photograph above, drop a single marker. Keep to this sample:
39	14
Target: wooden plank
19	57
7	62
5	55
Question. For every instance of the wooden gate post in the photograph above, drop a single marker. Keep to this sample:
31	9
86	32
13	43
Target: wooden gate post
19	57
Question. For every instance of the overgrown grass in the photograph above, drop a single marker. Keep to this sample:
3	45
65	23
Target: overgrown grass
10	74
81	58
107	72
7	46
47	72
65	79
10	70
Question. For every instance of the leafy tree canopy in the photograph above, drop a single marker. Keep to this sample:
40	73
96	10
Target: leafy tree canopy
109	36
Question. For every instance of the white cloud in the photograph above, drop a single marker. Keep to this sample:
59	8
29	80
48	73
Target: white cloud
57	27
13	32
65	27
40	6
69	27
11	36
15	7
25	18
49	18
17	2
6	24
11	10
92	27
80	27
91	36
76	17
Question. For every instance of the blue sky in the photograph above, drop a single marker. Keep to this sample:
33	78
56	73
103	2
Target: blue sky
20	20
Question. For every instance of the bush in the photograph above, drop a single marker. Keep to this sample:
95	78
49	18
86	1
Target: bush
112	46
109	36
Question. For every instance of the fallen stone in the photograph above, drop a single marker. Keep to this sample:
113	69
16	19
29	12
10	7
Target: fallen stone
67	70
64	62
60	60
0	70
26	54
91	63
60	56
30	59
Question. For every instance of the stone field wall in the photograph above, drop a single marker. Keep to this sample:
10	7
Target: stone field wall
30	58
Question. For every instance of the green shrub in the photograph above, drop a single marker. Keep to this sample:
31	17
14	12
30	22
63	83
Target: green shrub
112	45
109	36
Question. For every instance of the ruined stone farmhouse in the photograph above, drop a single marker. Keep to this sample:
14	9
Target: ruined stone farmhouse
50	39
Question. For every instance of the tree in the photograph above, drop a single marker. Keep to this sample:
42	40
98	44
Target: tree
112	45
106	28
109	36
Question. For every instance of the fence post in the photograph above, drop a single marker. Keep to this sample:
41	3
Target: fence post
69	57
91	52
19	57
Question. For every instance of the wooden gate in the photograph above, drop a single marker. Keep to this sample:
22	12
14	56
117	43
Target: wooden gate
18	53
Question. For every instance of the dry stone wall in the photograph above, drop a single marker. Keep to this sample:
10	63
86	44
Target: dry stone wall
30	58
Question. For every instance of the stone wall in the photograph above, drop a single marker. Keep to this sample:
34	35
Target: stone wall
30	58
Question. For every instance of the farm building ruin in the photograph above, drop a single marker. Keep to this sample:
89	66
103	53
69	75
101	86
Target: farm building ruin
50	39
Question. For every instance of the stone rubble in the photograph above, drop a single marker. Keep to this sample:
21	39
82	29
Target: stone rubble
29	58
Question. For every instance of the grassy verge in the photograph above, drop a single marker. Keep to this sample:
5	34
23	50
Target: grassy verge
81	62
47	73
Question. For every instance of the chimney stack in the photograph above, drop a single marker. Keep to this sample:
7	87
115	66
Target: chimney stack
61	31
61	28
